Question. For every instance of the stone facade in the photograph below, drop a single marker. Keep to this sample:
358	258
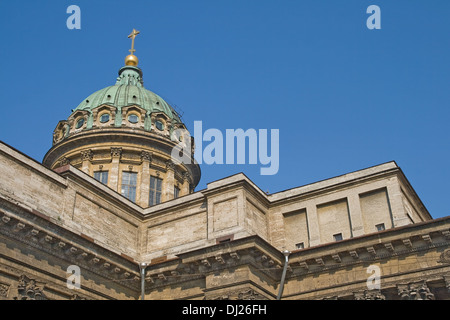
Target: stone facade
110	213
224	242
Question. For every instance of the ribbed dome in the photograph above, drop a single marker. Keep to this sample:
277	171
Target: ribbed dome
129	90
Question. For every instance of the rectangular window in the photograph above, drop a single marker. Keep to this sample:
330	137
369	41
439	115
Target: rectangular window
337	237
101	176
300	245
380	227
129	182
176	192
155	190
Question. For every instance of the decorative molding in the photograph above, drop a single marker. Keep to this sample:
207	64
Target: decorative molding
240	294
447	281
337	258
57	246
116	152
64	161
4	290
446	234
407	243
29	289
87	155
354	254
146	156
250	294
170	165
415	291
369	295
444	257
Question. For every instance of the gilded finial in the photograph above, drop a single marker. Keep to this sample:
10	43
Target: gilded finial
131	59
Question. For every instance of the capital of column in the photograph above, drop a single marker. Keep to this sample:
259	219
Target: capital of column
87	155
146	156
116	152
170	165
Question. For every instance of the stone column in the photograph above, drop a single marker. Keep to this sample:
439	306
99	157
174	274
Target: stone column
86	157
184	190
169	182
116	154
146	158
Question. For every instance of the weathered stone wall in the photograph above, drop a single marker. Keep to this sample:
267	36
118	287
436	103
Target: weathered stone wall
352	205
69	201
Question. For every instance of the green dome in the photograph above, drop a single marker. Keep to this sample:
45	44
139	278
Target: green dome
129	90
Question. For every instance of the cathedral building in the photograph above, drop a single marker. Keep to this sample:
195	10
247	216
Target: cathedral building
108	215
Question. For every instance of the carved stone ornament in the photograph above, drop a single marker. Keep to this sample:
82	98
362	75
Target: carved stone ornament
170	165
29	289
146	156
116	152
445	257
243	294
415	291
447	281
249	294
369	295
87	155
64	161
4	289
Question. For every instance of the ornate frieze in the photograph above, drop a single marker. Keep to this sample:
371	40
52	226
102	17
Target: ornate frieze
4	290
445	257
39	239
29	289
250	294
242	294
369	295
415	291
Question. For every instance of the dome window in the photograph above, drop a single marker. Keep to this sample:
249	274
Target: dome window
79	123
133	118
104	118
159	125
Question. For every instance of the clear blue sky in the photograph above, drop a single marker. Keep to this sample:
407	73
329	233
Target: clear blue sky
343	97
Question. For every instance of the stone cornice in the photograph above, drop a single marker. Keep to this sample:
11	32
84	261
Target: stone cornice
120	137
374	247
251	251
335	183
31	164
47	236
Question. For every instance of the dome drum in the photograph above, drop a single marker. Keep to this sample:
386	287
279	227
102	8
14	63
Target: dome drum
123	135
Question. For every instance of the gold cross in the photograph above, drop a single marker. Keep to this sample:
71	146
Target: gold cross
132	36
